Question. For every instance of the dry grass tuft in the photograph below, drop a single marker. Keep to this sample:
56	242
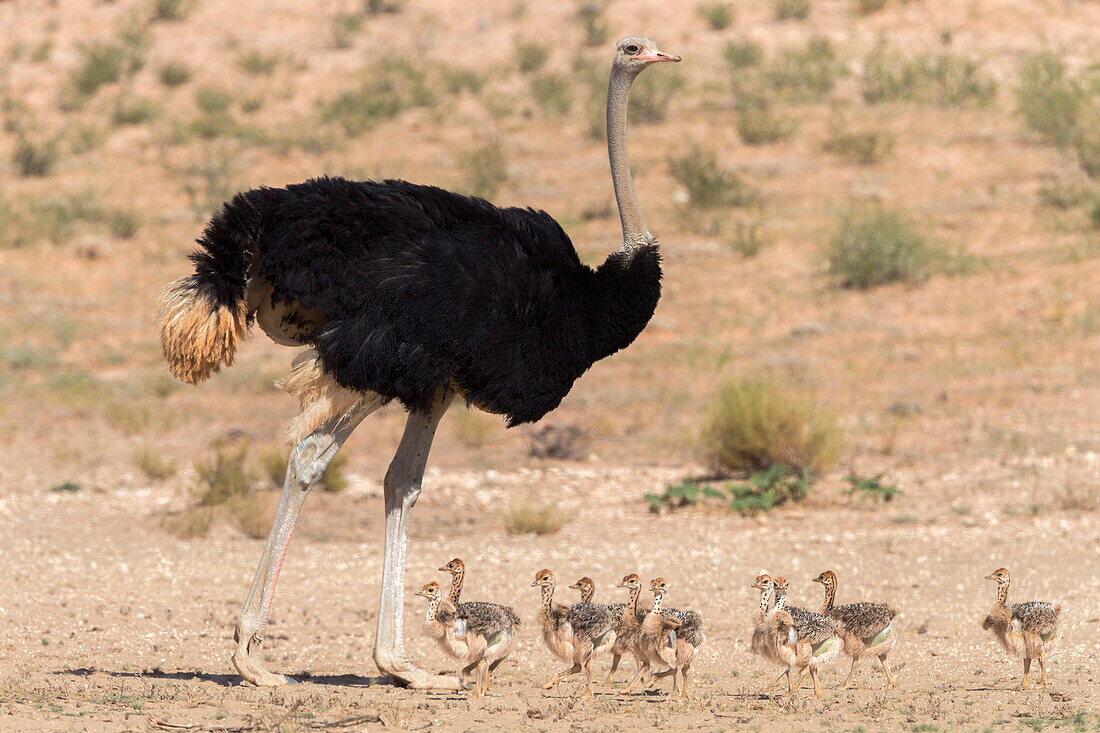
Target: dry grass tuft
154	464
718	15
485	169
875	245
567	442
474	428
527	518
756	423
791	9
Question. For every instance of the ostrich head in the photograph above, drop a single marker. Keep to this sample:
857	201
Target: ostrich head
1000	575
454	567
585	585
659	586
543	578
633	54
430	591
762	582
631	581
827	579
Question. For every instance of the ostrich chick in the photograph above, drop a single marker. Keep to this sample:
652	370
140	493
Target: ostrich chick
868	627
557	632
1027	630
685	639
816	639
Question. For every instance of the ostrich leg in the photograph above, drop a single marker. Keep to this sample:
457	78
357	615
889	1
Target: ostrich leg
307	462
402	488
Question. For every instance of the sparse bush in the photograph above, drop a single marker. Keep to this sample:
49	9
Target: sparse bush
345	27
551	94
718	15
382	7
875	245
251	513
567	442
1087	147
872	488
530	57
742	54
957	81
154	464
679	496
1051	102
213	100
805	74
174	74
191	523
100	64
123	223
457	79
867	7
171	9
747	239
791	9
34	158
526	518
594	25
224	476
756	423
485	169
865	147
333	478
1094	213
767	489
886	77
709	185
68	487
273	465
651	96
133	110
1062	194
85	138
386	92
258	63
758	124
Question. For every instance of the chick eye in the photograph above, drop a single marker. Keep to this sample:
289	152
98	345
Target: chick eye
632	49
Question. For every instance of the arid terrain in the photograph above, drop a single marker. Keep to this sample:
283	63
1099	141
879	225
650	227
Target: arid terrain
970	382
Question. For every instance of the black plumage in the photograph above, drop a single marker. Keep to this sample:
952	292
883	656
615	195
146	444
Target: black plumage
404	289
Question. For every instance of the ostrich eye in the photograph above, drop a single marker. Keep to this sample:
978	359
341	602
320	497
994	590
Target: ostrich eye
632	49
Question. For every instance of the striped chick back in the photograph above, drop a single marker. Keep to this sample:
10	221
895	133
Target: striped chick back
864	620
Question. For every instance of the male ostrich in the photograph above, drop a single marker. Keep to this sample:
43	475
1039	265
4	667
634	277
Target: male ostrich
411	293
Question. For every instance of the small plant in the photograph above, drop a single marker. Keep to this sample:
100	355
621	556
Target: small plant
526	518
154	464
485	169
757	124
213	100
872	488
386	92
174	74
251	513
100	64
742	54
678	496
747	239
345	27
567	442
551	94
530	57
69	487
382	7
133	110
1052	103
1087	147
258	63
767	489
224	476
652	95
865	147
791	9
709	185
457	79
876	245
867	7
273	465
756	423
1062	195
718	15
594	25
34	158
171	9
123	224
805	74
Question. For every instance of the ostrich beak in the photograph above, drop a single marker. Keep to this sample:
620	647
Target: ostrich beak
658	56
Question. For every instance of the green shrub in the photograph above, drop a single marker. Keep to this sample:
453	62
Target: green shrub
709	185
867	7
805	74
767	489
1062	195
274	462
123	224
485	169
386	91
345	27
747	239
651	96
457	79
594	25
791	9
382	7
742	54
34	158
100	64
551	94
718	15
171	9
756	423
872	488
133	110
213	100
758	124
154	464
875	245
174	74
1087	147
957	81
1051	102
258	63
224	476
678	496
530	57
865	147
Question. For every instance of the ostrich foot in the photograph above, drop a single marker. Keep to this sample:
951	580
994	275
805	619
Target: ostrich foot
417	679
253	671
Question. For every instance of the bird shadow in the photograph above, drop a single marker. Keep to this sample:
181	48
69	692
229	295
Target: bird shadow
233	680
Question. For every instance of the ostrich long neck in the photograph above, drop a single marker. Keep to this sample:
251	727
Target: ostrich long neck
1002	593
657	598
830	597
433	606
631	613
635	232
587	592
767	594
547	599
456	585
780	598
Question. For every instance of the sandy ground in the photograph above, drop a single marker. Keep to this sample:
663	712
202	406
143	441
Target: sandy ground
111	623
